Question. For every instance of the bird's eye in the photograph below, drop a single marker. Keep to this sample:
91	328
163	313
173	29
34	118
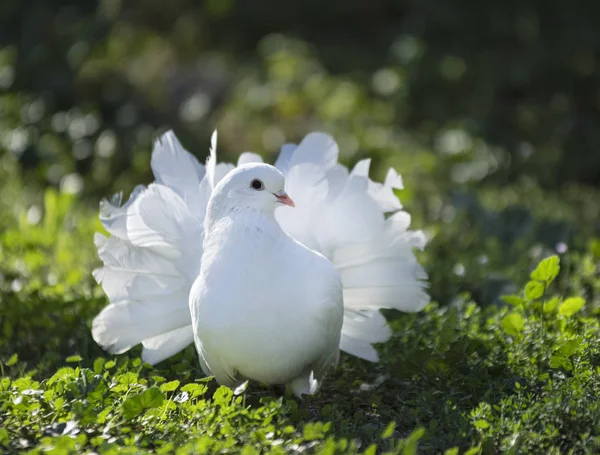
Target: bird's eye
258	185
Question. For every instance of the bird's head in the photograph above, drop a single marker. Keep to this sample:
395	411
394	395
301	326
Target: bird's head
255	186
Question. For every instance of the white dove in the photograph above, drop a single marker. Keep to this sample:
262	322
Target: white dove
268	285
264	307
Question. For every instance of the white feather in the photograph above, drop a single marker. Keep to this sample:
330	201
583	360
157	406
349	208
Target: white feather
383	194
352	216
316	148
161	347
113	214
358	347
337	177
211	162
284	159
152	257
308	184
122	325
157	219
369	326
131	272
222	170
393	180
249	157
175	167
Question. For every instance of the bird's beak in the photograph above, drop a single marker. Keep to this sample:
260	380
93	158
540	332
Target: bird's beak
284	198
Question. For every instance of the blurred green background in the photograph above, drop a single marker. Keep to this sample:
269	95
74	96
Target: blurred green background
490	111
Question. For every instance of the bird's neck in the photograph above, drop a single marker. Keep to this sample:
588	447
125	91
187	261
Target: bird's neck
244	228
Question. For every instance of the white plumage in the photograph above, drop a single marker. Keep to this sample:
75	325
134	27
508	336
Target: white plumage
255	287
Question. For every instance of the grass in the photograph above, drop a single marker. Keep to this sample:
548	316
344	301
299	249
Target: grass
520	376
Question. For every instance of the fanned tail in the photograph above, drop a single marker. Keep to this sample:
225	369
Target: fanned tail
358	224
153	255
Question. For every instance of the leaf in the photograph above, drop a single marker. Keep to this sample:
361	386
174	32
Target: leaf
569	348
513	300
132	407
313	431
448	330
547	270
194	389
571	306
551	305
74	359
150	398
4	437
389	430
558	361
128	378
58	403
98	365
482	424
169	386
61	375
412	441
534	290
513	324
223	396
560	357
12	361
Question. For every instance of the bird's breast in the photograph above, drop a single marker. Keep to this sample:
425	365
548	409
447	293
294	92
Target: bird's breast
256	314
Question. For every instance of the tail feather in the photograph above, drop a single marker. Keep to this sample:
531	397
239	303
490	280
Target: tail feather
283	162
157	219
409	298
378	249
373	254
131	272
214	173
393	180
369	326
353	216
175	167
249	157
122	325
222	170
161	347
153	254
211	162
112	212
358	347
316	148
337	177
382	194
382	273
308	183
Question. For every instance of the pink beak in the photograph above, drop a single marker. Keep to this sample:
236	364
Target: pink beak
284	198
